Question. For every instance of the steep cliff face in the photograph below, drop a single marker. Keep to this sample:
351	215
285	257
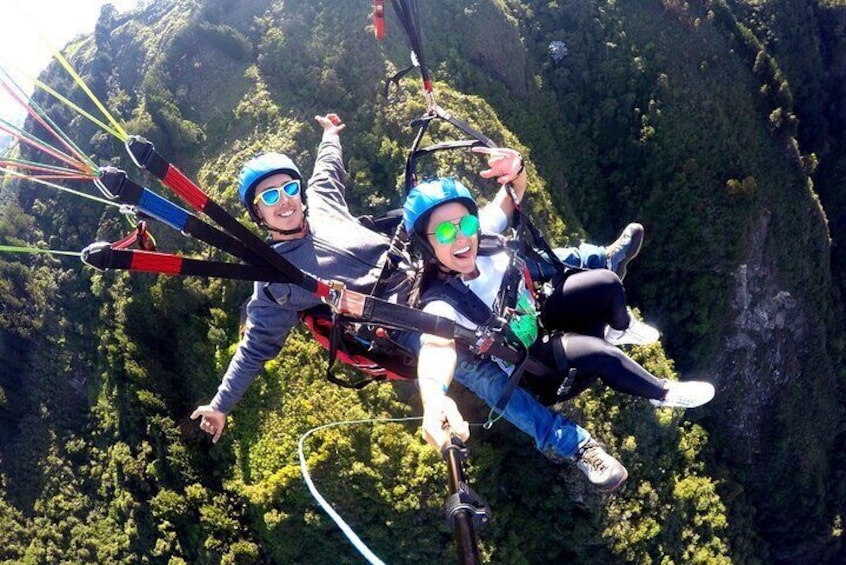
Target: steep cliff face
777	333
782	401
766	318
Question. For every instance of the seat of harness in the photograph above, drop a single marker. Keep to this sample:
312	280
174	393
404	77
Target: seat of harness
370	349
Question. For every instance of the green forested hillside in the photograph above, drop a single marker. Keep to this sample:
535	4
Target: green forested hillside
718	124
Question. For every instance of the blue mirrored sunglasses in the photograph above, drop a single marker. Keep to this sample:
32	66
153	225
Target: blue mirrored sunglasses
271	196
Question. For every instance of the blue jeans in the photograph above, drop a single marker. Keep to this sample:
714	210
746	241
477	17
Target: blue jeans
551	431
585	256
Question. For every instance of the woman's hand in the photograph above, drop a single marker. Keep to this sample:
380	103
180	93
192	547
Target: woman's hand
505	164
439	416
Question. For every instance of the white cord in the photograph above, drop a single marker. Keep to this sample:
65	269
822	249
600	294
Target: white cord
351	535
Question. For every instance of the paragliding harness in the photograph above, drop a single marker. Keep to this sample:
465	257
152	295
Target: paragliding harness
368	349
377	351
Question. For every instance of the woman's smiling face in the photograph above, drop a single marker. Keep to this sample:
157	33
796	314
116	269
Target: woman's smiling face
459	255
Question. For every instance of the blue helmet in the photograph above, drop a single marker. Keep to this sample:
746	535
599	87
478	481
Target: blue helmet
258	169
427	196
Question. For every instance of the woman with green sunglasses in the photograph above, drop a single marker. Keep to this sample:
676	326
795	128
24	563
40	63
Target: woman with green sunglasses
443	220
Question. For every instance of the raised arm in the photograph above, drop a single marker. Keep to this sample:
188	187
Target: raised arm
507	166
329	175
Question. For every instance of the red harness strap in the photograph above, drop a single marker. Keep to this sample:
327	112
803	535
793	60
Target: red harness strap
379	20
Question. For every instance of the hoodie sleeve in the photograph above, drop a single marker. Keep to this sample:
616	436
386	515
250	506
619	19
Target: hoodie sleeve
268	326
329	174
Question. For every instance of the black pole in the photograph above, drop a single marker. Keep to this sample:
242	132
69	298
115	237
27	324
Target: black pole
463	506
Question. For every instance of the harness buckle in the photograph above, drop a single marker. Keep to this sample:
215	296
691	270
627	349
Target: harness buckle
336	295
139	150
484	340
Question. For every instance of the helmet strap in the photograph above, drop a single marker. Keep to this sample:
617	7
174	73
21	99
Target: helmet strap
300	229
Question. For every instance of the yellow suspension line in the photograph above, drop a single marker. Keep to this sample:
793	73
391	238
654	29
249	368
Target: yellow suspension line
121	133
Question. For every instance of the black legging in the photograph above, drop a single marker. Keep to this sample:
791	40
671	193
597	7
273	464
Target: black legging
591	358
576	313
585	302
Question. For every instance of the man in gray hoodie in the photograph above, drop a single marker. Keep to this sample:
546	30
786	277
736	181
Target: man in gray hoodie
313	228
328	243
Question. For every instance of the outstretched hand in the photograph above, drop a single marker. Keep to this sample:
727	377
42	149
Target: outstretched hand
440	416
212	421
505	164
331	124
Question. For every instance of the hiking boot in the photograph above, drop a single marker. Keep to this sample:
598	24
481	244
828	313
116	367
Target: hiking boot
684	394
624	249
637	333
602	470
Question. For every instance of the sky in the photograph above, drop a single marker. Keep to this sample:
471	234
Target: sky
23	23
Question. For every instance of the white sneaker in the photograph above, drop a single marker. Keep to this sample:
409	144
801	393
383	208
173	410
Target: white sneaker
637	333
686	394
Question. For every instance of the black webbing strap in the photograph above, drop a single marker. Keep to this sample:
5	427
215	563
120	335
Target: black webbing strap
463	126
505	395
103	256
395	81
390	315
409	17
144	155
121	188
335	340
540	241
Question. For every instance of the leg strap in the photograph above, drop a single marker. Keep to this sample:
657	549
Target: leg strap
563	366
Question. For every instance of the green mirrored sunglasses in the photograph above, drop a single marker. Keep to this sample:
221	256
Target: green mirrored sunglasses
447	232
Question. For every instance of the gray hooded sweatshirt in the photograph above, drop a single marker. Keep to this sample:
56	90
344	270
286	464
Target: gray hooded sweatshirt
336	247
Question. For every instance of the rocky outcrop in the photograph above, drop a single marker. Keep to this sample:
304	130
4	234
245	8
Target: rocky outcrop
768	325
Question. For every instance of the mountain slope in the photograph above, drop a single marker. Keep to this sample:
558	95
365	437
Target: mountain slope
661	112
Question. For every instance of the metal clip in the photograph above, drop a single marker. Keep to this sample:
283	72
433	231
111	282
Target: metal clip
484	340
97	255
139	150
336	294
128	210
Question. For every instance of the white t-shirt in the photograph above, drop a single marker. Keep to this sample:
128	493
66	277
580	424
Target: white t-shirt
491	270
486	286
